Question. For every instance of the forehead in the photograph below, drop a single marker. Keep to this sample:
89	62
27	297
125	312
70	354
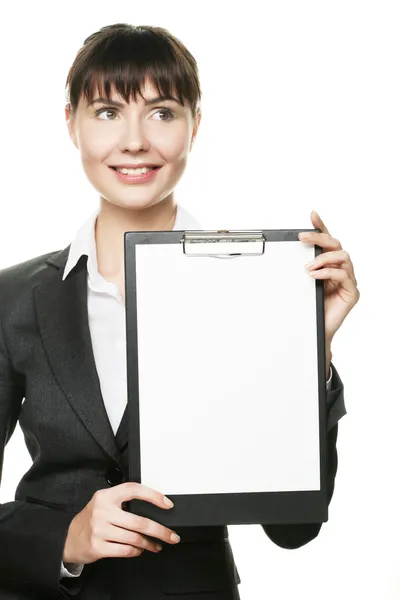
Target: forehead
147	91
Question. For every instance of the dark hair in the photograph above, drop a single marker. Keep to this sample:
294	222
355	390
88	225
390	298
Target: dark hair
121	56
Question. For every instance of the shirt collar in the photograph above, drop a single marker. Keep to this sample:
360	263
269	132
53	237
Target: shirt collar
84	242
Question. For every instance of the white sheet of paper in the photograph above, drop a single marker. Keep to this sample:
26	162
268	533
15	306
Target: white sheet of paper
228	378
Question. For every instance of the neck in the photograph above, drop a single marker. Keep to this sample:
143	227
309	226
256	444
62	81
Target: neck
113	221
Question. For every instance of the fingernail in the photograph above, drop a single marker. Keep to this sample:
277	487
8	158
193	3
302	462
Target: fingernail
303	236
175	537
310	264
159	547
168	502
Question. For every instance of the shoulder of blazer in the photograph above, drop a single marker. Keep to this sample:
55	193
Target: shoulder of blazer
20	278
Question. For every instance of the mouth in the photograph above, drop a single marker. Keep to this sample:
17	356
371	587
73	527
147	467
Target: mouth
138	171
139	175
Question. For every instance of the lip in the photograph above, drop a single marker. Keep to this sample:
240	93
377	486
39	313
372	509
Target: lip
141	178
137	166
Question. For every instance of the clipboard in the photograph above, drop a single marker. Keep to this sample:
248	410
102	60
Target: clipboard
226	376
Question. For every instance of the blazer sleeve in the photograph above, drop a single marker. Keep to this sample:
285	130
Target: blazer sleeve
293	536
32	536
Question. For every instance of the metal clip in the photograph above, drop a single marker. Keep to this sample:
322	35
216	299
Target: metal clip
209	243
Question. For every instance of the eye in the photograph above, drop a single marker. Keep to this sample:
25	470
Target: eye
168	112
105	109
109	109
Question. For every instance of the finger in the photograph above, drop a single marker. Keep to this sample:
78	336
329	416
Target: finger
143	525
320	239
318	222
114	533
339	258
131	490
338	275
114	550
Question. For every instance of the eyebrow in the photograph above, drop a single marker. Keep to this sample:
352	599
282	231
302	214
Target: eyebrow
147	102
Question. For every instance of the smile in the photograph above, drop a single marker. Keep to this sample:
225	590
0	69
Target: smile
142	175
140	171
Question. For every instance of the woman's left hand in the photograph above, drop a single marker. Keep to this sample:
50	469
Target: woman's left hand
335	267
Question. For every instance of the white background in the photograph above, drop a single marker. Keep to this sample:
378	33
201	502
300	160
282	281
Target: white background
300	111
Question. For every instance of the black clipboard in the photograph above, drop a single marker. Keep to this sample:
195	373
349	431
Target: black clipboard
269	507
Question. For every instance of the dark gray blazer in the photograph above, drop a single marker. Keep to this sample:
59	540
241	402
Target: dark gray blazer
49	382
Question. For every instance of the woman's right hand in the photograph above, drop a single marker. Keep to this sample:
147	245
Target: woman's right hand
103	529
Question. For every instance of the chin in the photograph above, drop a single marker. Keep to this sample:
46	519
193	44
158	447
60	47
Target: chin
132	203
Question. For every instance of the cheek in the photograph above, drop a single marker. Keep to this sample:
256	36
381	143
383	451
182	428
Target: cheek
175	153
174	147
95	144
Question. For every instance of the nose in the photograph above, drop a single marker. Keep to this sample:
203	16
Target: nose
133	137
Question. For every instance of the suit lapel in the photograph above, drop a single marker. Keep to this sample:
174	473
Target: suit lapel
122	435
63	323
62	317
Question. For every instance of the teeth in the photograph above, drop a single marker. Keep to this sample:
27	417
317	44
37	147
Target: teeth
140	171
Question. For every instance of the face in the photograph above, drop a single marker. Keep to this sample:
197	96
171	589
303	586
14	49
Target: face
109	134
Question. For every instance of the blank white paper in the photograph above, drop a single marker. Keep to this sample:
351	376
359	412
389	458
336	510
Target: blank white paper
228	377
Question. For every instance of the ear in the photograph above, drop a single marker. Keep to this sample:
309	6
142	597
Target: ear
195	128
70	124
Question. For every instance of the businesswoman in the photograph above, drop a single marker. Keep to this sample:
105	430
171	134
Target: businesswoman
133	113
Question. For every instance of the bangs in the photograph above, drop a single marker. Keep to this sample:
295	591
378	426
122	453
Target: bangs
122	62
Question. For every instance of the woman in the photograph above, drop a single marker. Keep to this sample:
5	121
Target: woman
133	113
